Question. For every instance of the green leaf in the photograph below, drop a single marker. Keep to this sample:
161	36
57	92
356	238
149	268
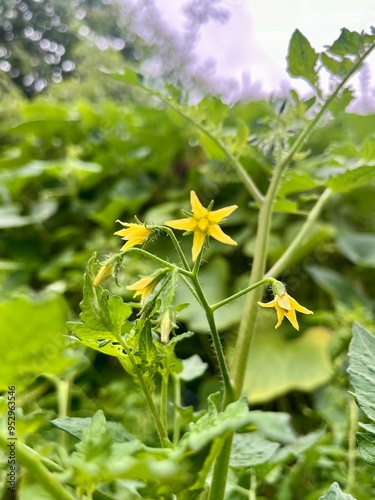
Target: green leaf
366	447
359	248
277	365
349	42
335	493
249	450
77	426
214	424
103	316
32	340
275	426
342	101
362	369
367	150
337	285
194	368
335	66
147	349
302	59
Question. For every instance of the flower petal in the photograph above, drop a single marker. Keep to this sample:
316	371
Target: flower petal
216	232
268	304
189	224
198	241
198	209
291	315
298	307
218	215
284	301
280	315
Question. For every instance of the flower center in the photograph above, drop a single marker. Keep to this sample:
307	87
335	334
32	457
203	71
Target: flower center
203	224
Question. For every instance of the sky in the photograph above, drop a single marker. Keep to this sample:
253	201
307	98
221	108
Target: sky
255	39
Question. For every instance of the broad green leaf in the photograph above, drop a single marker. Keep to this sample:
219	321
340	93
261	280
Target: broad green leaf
277	366
367	150
294	182
361	369
32	340
335	493
359	248
366	446
76	427
147	349
275	426
194	368
299	446
302	58
249	450
284	205
342	101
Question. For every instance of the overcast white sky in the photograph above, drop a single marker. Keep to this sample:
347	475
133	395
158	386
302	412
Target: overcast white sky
255	40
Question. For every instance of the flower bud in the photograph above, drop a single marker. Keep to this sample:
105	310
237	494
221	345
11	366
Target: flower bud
104	273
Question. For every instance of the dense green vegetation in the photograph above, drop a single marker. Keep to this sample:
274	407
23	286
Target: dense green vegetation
74	161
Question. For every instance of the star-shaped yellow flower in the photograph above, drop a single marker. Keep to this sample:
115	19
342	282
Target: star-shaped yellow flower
203	222
135	234
144	286
286	307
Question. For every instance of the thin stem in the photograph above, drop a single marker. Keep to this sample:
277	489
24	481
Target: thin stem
242	292
287	256
197	264
163	435
191	288
228	389
177	403
150	256
164	399
175	243
34	464
241	172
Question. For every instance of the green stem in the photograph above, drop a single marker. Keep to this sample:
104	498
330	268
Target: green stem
177	403
163	435
34	464
164	400
150	256
175	243
242	292
228	389
219	478
287	256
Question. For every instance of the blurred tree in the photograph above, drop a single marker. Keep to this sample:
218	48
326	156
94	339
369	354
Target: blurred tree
38	37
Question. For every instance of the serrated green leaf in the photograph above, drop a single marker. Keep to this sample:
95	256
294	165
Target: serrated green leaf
294	182
102	316
214	424
302	58
342	101
362	369
283	205
335	493
366	447
249	450
367	149
349	42
335	66
147	349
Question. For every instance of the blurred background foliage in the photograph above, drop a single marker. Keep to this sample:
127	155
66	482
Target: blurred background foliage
79	149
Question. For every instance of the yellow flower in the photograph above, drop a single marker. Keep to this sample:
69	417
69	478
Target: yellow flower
135	234
286	307
144	286
203	223
104	273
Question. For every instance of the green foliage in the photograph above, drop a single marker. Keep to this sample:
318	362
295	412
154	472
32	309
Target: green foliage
302	58
362	379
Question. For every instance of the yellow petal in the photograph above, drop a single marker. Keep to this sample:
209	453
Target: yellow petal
280	315
198	209
298	307
198	241
142	283
291	315
284	301
188	224
216	232
218	215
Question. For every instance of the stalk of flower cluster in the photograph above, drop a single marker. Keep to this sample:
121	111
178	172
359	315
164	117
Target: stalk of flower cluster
247	324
